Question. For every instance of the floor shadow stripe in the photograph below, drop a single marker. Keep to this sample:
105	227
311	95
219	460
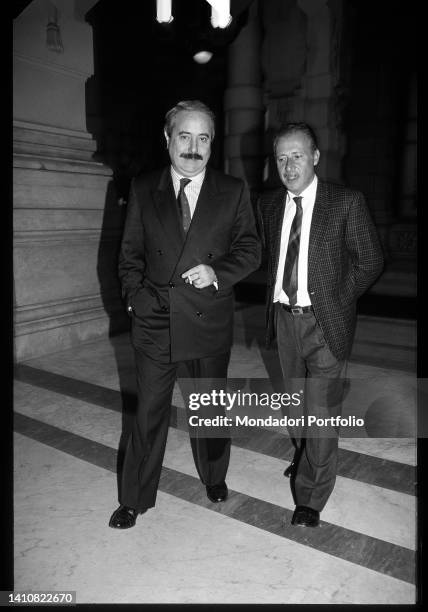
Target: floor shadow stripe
389	345
393	363
360	549
383	473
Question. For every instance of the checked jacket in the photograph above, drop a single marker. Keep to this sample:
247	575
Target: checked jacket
344	259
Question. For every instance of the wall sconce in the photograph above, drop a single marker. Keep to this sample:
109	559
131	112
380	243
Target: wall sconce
53	33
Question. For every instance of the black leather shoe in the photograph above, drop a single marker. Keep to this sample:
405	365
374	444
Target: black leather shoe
217	493
290	470
123	518
305	517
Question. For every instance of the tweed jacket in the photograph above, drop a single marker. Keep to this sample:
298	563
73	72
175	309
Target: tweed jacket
344	258
169	314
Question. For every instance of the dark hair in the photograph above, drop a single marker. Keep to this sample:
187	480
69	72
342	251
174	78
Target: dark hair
188	105
291	128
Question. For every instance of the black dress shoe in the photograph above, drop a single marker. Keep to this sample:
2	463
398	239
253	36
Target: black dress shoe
217	493
123	518
305	517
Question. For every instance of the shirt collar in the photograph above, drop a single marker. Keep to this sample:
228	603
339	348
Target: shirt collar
309	192
196	180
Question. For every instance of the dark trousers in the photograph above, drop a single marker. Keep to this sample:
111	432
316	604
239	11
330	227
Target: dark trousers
308	365
146	444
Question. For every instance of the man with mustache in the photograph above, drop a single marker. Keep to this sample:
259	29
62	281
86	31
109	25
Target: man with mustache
323	253
189	237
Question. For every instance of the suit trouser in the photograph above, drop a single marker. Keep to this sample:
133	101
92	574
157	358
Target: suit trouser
304	354
146	444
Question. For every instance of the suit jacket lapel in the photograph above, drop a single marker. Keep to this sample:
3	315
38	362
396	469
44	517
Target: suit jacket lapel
206	209
318	225
167	210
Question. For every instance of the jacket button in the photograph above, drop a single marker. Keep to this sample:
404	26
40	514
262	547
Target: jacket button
210	255
171	285
159	252
165	308
199	314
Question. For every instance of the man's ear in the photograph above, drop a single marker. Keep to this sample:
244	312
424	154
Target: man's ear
166	138
316	157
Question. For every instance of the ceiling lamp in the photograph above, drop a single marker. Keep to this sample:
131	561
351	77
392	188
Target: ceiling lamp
202	57
163	11
220	12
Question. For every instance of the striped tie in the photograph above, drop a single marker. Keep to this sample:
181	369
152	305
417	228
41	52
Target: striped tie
289	282
183	204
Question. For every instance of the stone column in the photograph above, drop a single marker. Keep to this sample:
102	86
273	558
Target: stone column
403	232
301	70
319	84
243	105
409	162
284	62
64	276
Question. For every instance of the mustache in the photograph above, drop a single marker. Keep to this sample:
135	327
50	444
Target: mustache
191	156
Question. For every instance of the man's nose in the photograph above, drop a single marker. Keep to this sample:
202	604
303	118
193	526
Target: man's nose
193	145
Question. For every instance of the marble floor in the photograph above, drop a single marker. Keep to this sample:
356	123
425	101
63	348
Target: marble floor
68	423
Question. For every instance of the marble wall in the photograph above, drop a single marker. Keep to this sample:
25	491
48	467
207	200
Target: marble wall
66	219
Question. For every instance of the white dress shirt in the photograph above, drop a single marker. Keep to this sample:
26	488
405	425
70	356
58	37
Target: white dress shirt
191	190
308	201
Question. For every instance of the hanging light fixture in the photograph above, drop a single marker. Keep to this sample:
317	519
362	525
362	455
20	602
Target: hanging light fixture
163	11
202	57
202	50
220	12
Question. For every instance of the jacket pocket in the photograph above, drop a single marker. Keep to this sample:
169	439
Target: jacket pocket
142	301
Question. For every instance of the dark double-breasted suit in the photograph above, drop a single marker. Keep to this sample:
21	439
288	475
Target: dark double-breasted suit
344	258
172	321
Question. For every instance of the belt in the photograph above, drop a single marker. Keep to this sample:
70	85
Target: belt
296	310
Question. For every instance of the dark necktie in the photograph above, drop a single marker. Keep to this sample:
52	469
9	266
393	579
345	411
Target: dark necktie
289	282
183	204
